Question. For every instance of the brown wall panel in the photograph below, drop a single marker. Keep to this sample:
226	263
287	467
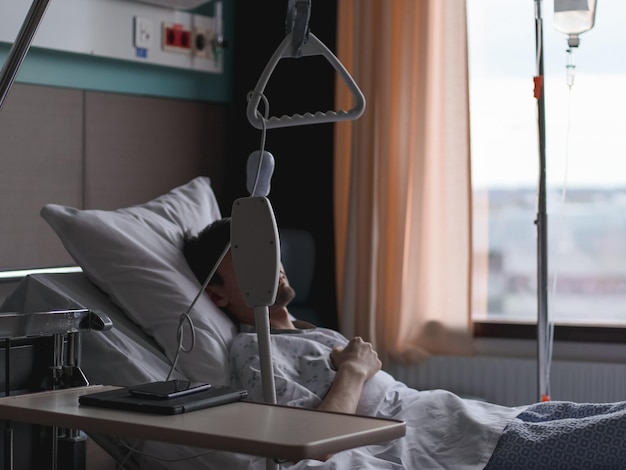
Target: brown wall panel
94	150
41	152
140	147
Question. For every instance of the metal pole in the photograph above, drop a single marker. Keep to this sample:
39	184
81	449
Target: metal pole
20	47
542	218
261	317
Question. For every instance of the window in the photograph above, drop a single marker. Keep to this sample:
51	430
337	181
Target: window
585	164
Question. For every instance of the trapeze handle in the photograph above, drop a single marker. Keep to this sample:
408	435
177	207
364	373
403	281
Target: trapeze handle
313	46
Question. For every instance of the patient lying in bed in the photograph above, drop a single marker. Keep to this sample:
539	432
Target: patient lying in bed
319	368
135	256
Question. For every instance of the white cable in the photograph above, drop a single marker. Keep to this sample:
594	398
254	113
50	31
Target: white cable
186	316
132	450
263	120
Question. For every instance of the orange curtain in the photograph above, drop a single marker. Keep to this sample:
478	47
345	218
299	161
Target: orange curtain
402	178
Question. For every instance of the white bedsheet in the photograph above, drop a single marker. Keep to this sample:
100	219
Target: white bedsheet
443	432
123	355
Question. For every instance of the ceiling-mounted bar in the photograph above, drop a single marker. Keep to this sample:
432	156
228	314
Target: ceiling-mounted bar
20	47
297	22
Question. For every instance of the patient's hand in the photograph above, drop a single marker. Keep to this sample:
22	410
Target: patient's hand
358	356
355	364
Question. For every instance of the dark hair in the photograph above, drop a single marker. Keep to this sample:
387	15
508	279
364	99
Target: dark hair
203	250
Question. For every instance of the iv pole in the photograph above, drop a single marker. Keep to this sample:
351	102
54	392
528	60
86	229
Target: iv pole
542	220
584	16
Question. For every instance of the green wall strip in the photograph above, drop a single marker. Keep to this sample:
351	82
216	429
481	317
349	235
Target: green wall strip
70	70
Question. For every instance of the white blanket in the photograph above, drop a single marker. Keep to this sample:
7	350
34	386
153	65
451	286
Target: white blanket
443	430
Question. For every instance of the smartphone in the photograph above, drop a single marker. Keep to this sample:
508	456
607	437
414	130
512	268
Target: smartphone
168	389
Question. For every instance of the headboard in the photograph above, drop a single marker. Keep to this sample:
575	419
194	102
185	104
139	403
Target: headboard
94	150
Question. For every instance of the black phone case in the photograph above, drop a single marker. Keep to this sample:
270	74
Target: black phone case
157	390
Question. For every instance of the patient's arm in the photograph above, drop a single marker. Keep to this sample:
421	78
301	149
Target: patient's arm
355	364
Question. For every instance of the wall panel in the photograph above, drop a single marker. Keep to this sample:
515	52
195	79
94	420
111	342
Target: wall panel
41	152
94	150
140	147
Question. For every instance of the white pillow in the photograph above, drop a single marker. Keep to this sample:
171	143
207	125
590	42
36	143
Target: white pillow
135	255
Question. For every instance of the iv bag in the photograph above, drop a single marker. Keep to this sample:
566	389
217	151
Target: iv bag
574	17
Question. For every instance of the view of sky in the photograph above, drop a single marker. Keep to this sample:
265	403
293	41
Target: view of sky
585	124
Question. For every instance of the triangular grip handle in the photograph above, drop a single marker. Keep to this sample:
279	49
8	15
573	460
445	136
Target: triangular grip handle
313	46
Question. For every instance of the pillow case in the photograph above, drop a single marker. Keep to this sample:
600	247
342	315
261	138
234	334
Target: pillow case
134	255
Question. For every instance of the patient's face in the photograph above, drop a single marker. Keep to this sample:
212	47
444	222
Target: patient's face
228	296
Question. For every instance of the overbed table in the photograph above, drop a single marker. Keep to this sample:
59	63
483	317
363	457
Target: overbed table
252	428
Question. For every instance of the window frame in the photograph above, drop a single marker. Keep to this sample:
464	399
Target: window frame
566	333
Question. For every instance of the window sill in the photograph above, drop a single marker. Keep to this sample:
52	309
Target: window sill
573	333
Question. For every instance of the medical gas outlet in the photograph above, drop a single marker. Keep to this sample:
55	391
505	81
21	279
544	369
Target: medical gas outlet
183	39
176	38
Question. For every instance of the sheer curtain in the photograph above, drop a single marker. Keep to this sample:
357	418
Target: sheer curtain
402	178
